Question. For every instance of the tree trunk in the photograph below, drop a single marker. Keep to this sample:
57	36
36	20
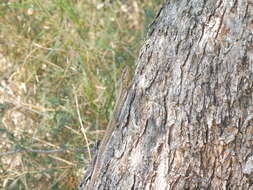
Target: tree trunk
187	121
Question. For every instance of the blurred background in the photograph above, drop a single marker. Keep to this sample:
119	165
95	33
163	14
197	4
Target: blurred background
60	65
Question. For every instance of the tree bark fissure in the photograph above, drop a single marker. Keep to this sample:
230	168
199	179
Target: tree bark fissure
187	122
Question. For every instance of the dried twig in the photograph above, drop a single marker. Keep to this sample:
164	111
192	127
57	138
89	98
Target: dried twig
30	150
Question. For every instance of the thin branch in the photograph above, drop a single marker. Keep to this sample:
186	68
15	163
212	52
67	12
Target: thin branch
30	150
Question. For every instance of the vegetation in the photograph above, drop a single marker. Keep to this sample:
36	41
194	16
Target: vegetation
60	63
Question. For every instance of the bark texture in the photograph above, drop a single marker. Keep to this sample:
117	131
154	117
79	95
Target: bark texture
187	122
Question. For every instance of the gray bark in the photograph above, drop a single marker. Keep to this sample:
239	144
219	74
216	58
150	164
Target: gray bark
187	122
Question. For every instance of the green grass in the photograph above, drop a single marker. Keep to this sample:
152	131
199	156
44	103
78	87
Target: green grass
65	58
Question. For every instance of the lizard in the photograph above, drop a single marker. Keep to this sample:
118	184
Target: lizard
113	122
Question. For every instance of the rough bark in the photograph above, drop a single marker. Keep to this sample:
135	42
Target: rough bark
187	122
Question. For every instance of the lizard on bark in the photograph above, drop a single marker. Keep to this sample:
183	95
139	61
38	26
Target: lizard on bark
111	125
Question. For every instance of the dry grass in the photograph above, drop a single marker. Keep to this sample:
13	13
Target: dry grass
60	61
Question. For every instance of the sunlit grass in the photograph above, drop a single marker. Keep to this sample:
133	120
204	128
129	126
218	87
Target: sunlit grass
60	63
